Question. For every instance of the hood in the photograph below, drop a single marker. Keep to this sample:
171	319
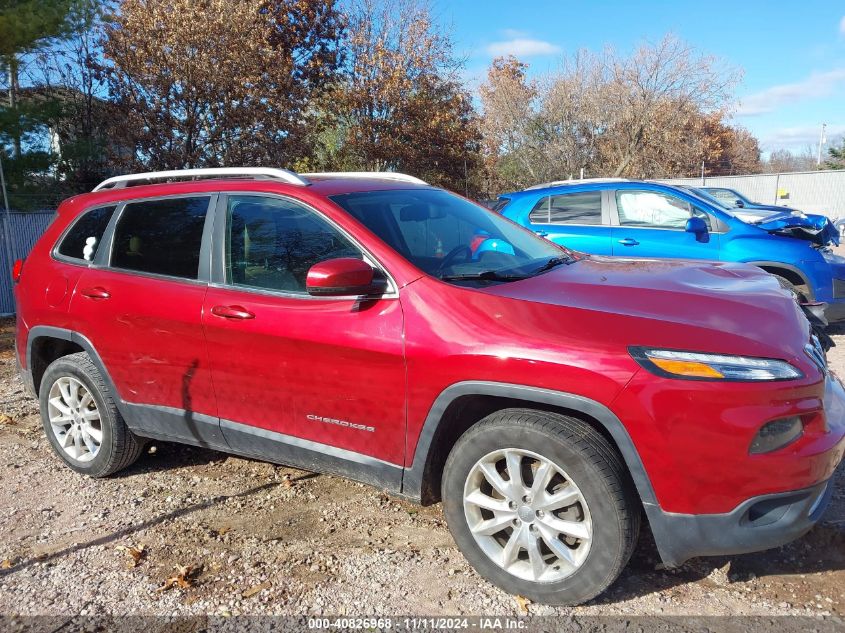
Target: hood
725	298
815	228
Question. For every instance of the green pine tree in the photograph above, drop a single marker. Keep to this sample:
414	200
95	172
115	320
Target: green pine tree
27	27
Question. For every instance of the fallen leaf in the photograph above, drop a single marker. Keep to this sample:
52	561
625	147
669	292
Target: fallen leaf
183	580
256	589
6	564
5	419
135	554
523	603
286	481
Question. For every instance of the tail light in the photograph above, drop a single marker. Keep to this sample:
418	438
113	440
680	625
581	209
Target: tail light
17	269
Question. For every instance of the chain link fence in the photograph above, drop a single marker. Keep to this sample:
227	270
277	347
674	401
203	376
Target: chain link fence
22	229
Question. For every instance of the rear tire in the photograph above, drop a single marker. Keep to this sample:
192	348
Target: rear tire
81	420
564	531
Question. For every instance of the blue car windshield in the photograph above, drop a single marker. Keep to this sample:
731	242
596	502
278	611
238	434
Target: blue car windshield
452	238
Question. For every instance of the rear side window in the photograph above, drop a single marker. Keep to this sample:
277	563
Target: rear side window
161	236
572	208
500	204
84	237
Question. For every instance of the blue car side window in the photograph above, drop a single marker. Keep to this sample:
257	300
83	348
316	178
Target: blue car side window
581	208
653	209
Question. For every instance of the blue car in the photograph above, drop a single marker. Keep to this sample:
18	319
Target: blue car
648	219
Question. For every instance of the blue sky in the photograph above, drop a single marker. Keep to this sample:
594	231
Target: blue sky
792	53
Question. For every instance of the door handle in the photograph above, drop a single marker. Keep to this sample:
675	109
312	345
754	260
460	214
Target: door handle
95	293
232	312
629	241
541	233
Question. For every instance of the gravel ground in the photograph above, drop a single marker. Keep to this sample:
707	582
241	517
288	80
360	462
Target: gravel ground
254	538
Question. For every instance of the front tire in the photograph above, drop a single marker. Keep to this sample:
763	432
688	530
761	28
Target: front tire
541	505
81	419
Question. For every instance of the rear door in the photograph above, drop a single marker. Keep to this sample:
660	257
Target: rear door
289	366
577	220
652	224
140	306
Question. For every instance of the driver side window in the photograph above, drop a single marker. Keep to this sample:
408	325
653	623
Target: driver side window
271	243
653	209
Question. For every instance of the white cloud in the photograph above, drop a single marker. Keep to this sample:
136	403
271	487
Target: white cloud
512	34
842	25
522	47
813	87
797	138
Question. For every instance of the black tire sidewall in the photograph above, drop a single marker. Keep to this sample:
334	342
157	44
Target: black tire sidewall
608	543
56	370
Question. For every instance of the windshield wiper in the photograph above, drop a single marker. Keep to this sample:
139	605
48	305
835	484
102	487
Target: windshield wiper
554	261
485	275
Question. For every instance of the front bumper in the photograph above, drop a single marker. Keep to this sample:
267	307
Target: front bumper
763	521
834	312
758	524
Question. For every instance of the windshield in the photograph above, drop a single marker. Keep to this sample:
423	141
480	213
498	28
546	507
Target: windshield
451	238
702	193
730	196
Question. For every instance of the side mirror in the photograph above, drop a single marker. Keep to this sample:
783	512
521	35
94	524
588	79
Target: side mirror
340	277
739	204
699	227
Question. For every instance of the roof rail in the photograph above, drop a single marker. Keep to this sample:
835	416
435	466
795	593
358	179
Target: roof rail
387	175
290	177
574	181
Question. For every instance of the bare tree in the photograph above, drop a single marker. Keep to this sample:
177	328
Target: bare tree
400	104
642	115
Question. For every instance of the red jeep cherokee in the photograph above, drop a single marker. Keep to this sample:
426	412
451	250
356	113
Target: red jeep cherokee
372	326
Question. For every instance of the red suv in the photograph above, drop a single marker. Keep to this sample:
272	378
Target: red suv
376	327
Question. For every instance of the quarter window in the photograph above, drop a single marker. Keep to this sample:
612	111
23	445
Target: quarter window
84	237
271	243
652	209
161	236
572	208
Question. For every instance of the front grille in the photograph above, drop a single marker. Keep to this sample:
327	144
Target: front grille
816	353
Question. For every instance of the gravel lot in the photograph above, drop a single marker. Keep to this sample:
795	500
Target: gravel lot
263	539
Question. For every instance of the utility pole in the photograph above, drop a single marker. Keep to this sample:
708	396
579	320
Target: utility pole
822	141
7	238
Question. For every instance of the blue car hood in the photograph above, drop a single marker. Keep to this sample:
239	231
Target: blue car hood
815	228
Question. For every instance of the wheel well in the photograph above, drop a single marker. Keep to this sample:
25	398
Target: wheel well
790	275
463	413
46	349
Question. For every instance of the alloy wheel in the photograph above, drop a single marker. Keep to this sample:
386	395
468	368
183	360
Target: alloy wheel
527	515
75	419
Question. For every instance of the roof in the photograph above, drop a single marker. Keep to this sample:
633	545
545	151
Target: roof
246	180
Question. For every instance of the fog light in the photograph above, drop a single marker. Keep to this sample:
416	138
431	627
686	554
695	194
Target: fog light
776	434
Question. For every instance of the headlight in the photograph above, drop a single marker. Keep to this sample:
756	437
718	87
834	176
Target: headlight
699	366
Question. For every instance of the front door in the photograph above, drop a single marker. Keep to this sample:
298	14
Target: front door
652	223
326	370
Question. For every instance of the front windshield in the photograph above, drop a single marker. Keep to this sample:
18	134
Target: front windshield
451	238
701	193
